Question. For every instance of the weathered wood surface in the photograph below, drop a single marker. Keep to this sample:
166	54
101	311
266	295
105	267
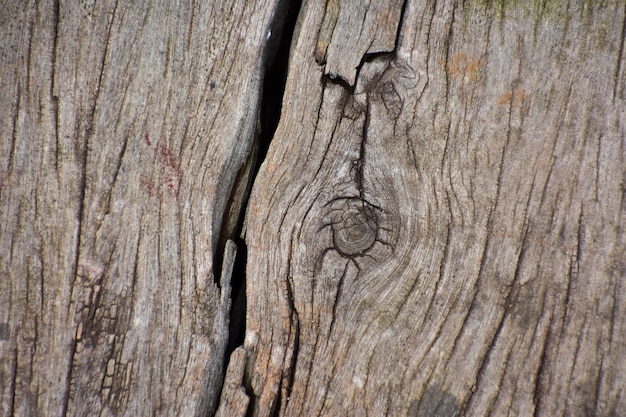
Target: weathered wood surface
235	400
124	129
447	237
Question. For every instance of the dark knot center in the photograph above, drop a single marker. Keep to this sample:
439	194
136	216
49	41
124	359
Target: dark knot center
355	227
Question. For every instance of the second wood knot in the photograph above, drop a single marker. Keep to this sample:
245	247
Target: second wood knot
355	226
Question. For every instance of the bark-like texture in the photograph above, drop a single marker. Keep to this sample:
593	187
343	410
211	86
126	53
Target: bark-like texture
447	236
125	127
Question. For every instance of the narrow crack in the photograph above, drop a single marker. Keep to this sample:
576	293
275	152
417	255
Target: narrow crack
274	74
237	321
275	77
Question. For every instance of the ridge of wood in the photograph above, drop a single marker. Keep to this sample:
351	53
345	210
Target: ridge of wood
351	30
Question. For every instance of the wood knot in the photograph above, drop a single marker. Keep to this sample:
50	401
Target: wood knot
355	226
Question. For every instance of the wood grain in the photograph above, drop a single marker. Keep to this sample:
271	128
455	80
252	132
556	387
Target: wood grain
124	127
437	229
447	236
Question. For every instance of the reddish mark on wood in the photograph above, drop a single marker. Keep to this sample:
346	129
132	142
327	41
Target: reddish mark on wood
171	185
167	158
167	176
148	184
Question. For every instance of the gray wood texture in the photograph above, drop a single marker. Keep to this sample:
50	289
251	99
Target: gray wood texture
437	228
124	128
447	236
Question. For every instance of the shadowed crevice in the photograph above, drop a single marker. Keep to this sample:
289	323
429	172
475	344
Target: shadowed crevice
275	76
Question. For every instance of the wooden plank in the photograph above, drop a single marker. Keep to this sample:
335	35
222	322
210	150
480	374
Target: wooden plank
445	238
125	127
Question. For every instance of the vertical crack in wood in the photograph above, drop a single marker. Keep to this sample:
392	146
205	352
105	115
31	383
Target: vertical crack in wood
289	377
274	76
619	66
237	319
274	73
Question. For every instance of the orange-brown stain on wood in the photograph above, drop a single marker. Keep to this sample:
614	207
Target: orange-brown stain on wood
463	66
518	98
326	30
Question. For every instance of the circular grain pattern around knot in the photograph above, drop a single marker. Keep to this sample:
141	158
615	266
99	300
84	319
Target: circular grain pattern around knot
355	226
